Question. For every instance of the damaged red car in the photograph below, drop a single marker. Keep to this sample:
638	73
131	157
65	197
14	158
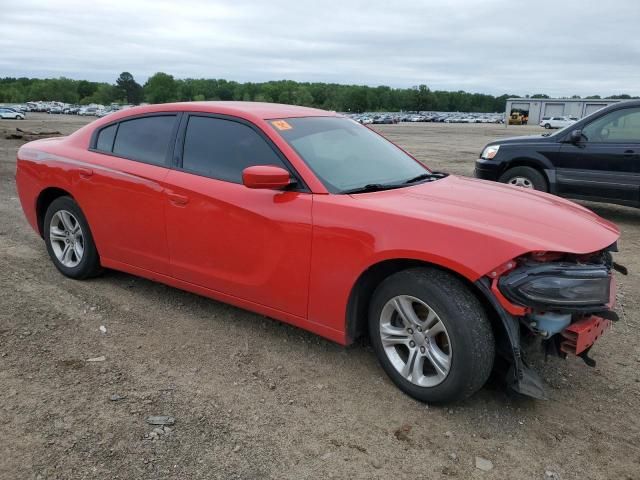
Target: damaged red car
308	217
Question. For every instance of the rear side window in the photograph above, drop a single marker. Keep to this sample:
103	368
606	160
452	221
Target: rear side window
105	138
222	149
145	139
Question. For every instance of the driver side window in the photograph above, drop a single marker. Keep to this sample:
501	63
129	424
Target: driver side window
619	126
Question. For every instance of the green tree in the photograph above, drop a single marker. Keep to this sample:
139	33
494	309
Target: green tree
423	98
86	89
129	89
160	88
104	95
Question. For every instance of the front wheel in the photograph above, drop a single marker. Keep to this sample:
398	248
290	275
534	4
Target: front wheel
431	335
69	241
547	126
526	177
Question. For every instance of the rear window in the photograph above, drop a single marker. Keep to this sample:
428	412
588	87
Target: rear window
145	139
105	138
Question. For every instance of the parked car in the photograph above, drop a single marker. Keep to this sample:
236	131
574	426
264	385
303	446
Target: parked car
56	110
596	158
385	119
8	113
313	219
88	111
556	122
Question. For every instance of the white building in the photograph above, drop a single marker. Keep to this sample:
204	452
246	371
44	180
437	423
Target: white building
538	108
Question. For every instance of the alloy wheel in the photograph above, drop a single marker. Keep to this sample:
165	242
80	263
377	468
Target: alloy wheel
521	182
67	238
415	341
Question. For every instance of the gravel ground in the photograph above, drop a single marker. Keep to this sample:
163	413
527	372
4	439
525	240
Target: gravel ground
254	398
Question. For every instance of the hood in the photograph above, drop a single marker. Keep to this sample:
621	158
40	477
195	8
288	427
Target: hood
530	220
527	139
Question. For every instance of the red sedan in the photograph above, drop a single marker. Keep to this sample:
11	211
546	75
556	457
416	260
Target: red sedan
308	217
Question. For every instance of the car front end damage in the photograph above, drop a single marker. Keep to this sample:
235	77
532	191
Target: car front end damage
562	301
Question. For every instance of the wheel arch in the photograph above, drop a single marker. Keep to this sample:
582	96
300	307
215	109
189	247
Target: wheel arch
45	198
540	165
360	296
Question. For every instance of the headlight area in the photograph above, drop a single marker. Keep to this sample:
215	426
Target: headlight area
564	300
558	286
561	294
489	152
573	300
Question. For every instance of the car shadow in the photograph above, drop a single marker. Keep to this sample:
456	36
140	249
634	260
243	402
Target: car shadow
359	355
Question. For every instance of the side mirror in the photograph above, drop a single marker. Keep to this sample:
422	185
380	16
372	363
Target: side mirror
575	136
266	177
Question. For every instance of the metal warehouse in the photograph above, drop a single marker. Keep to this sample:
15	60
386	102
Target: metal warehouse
532	110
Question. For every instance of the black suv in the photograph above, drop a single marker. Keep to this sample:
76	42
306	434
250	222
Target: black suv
596	158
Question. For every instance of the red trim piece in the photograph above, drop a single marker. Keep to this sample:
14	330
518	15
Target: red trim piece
513	309
502	269
583	333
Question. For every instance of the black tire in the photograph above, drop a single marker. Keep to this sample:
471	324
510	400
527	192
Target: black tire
89	264
471	344
547	126
535	177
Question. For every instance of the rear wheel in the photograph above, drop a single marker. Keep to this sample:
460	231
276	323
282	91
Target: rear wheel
526	177
69	241
431	335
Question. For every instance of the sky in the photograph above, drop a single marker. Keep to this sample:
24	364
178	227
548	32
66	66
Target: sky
560	47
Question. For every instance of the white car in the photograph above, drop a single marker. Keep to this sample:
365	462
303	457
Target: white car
9	113
557	122
88	111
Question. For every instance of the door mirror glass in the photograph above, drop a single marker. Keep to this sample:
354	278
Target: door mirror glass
266	177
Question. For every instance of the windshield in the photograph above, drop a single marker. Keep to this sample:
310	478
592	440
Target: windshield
346	155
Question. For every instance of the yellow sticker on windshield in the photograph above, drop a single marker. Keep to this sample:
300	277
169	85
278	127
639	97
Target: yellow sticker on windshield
281	125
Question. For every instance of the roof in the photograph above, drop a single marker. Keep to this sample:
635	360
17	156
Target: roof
566	100
248	110
255	112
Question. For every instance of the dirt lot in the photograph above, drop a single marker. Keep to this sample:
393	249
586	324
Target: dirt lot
253	398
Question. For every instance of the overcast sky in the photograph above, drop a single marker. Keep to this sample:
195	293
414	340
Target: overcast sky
556	47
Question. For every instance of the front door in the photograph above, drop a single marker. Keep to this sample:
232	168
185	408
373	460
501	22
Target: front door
254	245
605	165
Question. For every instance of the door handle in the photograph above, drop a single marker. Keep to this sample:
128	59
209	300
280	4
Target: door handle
179	200
85	172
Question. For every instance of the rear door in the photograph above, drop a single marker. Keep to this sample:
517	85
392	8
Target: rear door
122	190
253	245
604	166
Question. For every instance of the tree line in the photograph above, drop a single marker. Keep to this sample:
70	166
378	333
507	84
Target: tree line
162	88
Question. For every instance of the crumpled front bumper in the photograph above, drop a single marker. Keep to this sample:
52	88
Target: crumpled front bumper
580	336
583	327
